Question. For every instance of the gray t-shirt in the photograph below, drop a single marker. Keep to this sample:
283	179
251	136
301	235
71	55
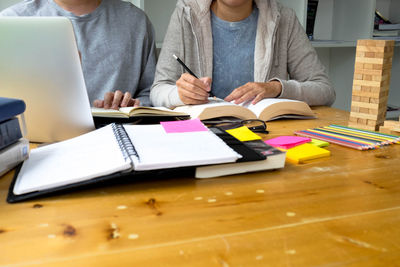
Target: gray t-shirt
116	42
233	53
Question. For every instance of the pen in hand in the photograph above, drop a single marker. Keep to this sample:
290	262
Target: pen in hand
188	70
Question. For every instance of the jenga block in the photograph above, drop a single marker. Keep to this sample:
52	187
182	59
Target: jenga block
362	42
363	116
358	76
363	126
364	48
365	94
353	119
361	121
369	66
374	111
371	54
360	53
366	83
371	122
367	77
364	71
370	60
391	124
365	105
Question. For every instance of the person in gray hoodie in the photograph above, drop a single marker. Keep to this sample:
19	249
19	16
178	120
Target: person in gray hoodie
116	41
241	50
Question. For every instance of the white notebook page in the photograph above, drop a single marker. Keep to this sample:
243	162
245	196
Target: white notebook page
158	149
91	155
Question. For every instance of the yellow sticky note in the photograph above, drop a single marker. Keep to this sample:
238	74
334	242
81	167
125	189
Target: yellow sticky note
243	134
304	152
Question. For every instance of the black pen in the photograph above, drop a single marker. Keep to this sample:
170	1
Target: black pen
188	70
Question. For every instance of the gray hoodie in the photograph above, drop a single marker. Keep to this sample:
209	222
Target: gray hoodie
282	52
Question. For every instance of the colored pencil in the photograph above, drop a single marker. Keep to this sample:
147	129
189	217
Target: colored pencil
350	137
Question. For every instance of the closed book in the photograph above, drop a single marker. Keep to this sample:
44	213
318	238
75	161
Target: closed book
14	154
392	33
274	159
10	132
10	107
395	26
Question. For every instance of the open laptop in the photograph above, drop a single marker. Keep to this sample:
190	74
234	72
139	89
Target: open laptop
39	63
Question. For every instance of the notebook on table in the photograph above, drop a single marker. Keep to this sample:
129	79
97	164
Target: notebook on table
39	64
111	152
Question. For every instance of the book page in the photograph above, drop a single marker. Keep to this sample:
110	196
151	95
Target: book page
134	111
195	110
260	106
102	112
91	155
158	149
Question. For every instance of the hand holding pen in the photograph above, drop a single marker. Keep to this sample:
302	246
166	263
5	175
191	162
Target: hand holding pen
191	89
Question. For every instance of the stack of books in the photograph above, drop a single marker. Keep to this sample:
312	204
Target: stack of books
13	147
386	30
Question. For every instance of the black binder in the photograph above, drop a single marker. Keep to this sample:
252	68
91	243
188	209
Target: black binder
248	154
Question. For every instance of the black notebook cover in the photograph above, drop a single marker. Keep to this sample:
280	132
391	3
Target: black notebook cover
116	178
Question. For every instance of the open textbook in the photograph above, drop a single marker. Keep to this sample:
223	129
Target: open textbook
129	112
113	149
267	109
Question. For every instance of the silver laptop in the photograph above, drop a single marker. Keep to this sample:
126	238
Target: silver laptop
39	63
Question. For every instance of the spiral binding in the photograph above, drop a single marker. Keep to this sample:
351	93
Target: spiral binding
124	142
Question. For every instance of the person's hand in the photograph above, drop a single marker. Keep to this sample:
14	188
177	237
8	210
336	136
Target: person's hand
255	92
192	90
116	99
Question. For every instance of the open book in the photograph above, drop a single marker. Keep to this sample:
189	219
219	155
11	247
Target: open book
129	112
116	148
266	110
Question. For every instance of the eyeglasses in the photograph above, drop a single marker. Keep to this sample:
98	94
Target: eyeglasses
255	125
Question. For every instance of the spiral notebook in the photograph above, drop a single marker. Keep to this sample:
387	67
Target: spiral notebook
116	149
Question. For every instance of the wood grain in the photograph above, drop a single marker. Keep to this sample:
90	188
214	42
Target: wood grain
342	210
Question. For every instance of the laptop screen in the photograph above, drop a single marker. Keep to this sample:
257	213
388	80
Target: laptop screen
39	63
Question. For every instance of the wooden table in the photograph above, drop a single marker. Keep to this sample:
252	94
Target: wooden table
343	210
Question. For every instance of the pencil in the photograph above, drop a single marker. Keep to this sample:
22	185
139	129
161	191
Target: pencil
188	70
184	66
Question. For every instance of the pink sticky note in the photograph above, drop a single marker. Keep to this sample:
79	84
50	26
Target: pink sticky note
287	142
185	126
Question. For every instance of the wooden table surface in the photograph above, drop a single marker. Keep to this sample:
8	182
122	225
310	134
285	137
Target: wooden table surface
340	211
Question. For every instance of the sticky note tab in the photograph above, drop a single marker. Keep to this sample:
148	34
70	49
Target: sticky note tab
184	126
243	134
319	143
287	142
305	152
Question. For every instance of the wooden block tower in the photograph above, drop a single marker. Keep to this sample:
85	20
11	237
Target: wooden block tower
371	82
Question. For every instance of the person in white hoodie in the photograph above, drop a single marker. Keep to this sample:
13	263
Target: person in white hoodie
241	50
